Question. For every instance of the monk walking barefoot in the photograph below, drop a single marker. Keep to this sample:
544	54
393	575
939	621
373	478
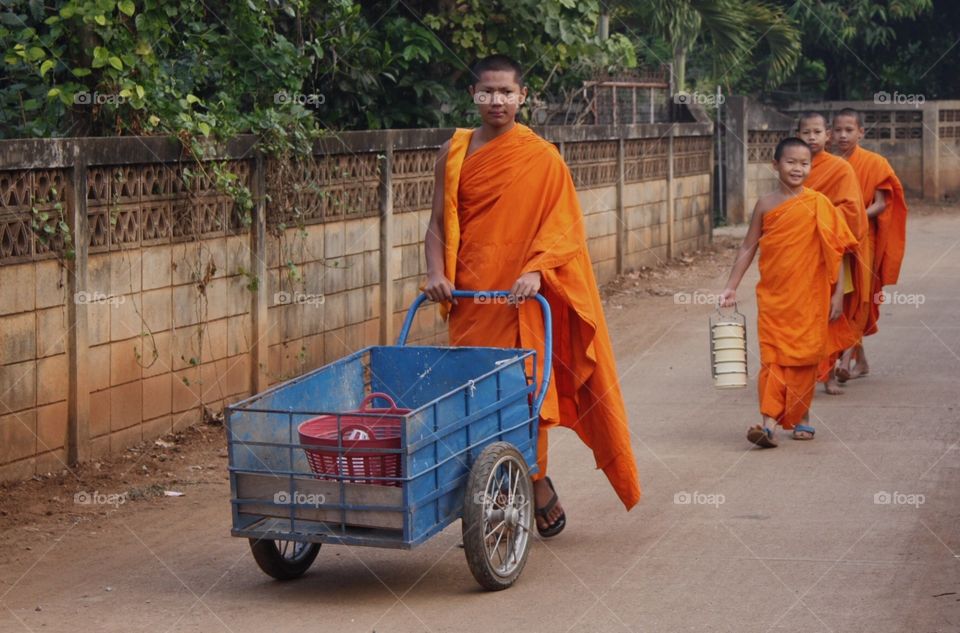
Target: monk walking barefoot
833	177
506	216
887	221
801	237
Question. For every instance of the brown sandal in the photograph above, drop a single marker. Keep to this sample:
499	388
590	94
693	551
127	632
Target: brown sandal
761	436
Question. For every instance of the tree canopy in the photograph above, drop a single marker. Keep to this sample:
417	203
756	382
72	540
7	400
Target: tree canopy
286	69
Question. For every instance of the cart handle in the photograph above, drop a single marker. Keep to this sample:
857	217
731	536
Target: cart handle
377	395
487	295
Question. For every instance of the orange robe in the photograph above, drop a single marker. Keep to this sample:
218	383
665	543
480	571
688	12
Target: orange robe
888	231
801	244
834	177
510	208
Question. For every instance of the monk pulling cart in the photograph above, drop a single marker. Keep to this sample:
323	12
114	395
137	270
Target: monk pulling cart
313	461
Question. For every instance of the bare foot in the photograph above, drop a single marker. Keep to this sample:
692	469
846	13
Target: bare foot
861	368
832	387
843	371
542	493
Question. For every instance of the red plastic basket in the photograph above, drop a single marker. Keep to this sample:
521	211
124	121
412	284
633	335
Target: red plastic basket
368	431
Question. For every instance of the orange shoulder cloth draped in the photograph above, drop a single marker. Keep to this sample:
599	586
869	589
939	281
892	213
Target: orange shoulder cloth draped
510	208
834	177
801	245
888	231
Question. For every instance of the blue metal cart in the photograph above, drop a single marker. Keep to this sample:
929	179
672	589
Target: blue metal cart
467	447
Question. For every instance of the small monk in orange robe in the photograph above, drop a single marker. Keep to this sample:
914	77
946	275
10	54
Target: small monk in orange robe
887	218
802	239
506	216
834	177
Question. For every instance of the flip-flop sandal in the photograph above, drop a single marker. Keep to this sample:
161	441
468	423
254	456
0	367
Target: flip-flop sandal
557	526
803	428
761	436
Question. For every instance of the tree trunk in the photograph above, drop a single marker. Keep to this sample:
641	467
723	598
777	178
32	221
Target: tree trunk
680	68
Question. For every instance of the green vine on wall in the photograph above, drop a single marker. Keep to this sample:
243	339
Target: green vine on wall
51	229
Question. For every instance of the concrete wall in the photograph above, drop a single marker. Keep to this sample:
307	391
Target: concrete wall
922	145
175	304
33	329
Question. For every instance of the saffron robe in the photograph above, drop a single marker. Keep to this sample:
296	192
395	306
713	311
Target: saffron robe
888	231
834	177
801	245
511	208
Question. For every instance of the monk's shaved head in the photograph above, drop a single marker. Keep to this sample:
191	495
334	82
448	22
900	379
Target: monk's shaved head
850	112
496	63
791	141
808	115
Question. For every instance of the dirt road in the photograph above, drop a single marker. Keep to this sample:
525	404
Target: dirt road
855	531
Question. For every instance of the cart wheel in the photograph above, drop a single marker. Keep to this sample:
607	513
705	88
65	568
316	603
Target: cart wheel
284	560
498	516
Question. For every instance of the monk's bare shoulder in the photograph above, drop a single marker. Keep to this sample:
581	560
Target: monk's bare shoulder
767	202
443	151
440	166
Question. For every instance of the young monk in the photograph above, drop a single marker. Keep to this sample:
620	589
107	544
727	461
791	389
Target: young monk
802	238
506	216
887	219
833	177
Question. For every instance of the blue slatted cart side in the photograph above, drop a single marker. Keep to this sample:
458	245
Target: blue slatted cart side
462	399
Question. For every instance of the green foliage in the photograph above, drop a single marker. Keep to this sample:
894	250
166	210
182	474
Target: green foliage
101	67
854	24
51	229
275	67
285	69
730	39
848	36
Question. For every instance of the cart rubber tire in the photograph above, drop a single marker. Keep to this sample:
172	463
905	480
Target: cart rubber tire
275	564
477	506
